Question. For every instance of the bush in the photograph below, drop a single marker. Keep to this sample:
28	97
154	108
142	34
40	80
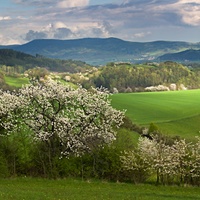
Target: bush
4	172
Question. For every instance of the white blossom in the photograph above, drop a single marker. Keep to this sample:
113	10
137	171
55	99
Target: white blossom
180	160
81	119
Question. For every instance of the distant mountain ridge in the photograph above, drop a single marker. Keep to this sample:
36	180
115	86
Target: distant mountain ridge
98	51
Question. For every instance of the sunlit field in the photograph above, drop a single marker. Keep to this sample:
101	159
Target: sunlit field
175	113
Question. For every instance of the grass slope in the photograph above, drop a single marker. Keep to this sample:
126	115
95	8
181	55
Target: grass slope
186	128
176	113
68	189
16	81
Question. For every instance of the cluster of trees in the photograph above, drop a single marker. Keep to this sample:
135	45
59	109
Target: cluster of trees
10	70
176	163
130	78
54	121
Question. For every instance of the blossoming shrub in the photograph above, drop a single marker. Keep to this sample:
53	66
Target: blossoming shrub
176	163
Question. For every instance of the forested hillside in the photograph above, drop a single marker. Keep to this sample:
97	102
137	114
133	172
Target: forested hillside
22	62
130	78
117	77
190	55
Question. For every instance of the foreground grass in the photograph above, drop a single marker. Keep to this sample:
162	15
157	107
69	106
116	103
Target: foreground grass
68	189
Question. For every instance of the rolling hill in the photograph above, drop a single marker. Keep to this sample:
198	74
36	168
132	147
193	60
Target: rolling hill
176	113
99	51
11	57
190	55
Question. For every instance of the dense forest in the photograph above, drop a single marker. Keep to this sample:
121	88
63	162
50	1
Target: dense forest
130	77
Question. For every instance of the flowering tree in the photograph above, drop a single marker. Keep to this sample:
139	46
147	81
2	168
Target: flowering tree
179	161
9	106
195	171
187	160
76	119
150	156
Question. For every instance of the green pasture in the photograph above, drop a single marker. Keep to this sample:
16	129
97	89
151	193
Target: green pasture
70	84
70	189
175	113
16	81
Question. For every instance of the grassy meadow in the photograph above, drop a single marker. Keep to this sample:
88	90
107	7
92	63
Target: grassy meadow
16	81
72	189
175	112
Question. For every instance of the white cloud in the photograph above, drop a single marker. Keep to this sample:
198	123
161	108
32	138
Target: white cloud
59	24
5	18
191	15
94	29
53	3
20	17
189	1
141	34
55	30
8	40
188	10
72	3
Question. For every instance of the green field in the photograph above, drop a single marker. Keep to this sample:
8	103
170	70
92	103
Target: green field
175	113
16	81
70	189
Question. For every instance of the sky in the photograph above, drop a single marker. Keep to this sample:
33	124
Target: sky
22	21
